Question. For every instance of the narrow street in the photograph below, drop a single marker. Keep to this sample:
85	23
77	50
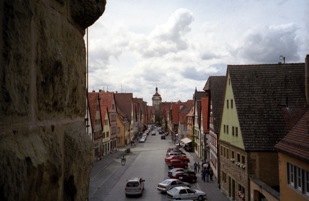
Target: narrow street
108	177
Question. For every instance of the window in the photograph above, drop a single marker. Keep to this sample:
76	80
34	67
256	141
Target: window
231	103
243	161
238	157
224	177
227	153
299	178
227	104
306	183
233	130
236	132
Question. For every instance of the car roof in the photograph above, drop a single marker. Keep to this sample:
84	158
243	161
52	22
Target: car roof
172	179
182	187
134	179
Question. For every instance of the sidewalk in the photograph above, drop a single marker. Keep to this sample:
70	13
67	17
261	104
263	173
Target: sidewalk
210	188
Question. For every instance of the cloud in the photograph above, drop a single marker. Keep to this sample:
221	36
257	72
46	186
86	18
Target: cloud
266	46
169	37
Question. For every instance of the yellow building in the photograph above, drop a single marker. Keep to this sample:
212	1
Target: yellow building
123	130
294	162
258	111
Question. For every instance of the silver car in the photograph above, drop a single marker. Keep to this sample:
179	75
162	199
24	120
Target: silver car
134	186
185	193
168	184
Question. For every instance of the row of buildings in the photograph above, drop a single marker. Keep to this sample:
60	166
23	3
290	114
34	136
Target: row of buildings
113	120
252	125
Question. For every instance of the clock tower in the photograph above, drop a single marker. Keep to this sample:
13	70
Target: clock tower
156	101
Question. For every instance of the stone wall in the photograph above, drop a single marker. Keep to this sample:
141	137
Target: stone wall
45	153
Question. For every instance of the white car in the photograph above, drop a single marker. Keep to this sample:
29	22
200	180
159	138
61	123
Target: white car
168	184
134	186
185	193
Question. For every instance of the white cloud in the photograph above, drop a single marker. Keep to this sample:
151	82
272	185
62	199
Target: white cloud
265	46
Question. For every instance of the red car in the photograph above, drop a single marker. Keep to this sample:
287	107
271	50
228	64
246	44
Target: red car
186	176
168	159
177	163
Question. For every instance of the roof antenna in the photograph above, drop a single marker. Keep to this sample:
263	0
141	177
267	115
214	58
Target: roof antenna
281	59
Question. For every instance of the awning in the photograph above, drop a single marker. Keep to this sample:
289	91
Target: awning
186	140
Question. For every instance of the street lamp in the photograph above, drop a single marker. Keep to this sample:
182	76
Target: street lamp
123	161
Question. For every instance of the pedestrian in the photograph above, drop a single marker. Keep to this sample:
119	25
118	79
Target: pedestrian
198	166
195	167
203	174
207	174
211	173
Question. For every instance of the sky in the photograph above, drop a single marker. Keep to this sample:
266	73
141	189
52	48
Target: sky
175	45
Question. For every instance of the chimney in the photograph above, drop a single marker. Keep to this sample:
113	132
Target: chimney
307	78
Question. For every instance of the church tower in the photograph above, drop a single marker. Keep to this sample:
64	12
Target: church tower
156	101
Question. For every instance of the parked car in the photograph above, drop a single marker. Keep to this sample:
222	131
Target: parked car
171	173
172	149
177	163
163	137
134	186
189	176
185	193
142	140
168	184
180	157
188	147
172	153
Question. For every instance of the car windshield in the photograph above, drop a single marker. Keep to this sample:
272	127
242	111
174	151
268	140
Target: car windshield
166	182
190	191
173	190
132	184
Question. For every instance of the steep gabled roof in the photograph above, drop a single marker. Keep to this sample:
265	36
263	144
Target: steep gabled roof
197	97
165	108
215	85
296	142
184	111
269	99
124	103
175	112
205	113
106	98
92	104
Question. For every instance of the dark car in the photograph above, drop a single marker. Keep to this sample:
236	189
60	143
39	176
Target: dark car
163	137
186	176
188	148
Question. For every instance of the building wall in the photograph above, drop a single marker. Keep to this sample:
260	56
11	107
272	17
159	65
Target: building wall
230	129
289	192
238	166
260	164
234	178
44	149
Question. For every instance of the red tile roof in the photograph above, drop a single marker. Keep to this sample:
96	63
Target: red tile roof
296	142
205	113
186	107
124	103
92	104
